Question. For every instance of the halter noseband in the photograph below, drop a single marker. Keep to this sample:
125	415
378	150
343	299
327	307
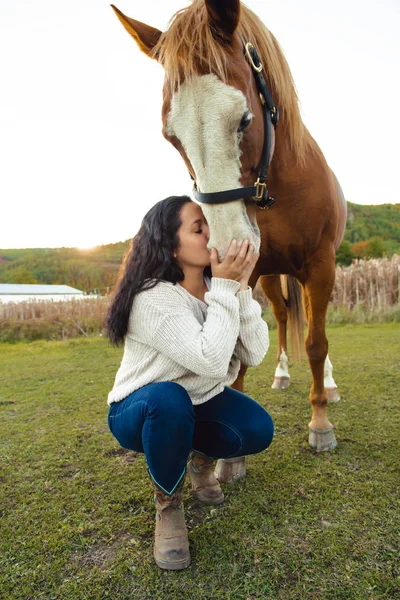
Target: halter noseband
258	192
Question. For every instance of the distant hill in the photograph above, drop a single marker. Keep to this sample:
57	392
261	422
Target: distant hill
89	270
367	222
370	231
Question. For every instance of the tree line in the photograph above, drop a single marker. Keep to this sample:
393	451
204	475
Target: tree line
93	270
371	232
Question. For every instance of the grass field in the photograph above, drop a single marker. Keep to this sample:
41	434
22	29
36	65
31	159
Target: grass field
77	514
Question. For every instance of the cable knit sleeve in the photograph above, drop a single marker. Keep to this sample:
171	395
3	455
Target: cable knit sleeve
253	341
206	349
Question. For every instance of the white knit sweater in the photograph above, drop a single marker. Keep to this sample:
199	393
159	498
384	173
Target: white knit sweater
173	336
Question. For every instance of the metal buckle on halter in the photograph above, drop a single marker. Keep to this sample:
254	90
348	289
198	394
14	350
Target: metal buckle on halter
261	186
263	201
274	112
249	57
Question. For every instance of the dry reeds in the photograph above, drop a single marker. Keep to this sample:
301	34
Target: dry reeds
52	320
369	284
367	291
373	284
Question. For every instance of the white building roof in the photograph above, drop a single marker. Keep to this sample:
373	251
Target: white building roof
37	289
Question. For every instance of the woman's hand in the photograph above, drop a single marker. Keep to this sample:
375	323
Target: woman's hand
244	281
236	265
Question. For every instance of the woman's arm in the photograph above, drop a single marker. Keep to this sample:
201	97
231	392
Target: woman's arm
175	332
253	341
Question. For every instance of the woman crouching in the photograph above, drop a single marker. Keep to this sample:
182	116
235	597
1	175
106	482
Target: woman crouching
187	321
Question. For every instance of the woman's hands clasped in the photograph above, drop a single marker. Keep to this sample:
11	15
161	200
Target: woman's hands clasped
237	265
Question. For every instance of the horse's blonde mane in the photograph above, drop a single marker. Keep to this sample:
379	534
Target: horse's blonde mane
189	42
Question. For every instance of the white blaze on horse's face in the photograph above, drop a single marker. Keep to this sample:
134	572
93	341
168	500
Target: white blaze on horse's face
205	114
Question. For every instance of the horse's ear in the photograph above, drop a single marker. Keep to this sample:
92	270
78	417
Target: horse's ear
145	36
224	15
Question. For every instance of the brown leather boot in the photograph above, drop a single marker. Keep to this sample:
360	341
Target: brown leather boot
205	485
171	544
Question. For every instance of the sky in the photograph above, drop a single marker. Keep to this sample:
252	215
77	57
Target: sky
82	157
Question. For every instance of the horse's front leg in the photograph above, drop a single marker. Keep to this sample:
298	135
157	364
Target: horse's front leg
238	384
318	288
332	392
271	286
231	469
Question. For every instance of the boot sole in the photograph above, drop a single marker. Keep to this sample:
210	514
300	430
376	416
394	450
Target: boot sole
172	566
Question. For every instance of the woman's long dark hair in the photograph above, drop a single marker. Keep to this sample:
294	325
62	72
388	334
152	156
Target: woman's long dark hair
149	260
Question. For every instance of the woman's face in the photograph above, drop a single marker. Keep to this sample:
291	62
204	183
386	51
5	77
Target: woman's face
193	237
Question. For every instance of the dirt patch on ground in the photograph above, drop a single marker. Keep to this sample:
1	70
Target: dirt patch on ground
69	470
195	513
128	456
102	555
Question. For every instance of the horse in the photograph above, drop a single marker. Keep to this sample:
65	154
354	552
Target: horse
226	83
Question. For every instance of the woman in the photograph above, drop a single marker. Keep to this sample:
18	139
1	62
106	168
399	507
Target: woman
185	335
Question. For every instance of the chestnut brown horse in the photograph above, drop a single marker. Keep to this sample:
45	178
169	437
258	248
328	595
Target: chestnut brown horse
222	120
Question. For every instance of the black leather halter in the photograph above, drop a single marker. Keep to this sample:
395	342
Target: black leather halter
258	192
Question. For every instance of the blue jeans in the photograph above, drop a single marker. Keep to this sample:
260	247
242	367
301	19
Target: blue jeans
160	420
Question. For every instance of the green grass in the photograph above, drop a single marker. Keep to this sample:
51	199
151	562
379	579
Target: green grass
77	513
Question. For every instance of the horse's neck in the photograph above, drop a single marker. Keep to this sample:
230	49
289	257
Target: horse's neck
285	163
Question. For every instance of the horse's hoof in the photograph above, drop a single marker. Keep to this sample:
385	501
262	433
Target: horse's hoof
280	383
322	440
332	394
230	469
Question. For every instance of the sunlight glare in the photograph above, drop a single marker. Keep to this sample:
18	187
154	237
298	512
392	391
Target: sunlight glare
86	246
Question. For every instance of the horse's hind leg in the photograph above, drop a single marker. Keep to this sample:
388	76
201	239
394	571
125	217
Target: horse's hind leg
331	390
271	286
318	288
232	469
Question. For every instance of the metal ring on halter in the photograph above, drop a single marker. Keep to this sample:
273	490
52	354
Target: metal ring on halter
250	58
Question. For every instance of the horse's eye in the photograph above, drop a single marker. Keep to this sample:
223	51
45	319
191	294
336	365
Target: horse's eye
245	121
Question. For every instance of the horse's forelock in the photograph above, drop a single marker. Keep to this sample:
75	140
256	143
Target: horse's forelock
189	48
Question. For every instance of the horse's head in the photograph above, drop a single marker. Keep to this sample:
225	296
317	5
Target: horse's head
211	112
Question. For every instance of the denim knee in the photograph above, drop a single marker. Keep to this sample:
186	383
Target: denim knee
170	399
217	439
259	433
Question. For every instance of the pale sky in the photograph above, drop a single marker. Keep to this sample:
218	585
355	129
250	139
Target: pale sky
82	157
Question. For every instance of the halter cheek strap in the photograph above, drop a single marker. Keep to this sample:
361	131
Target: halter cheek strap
258	192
